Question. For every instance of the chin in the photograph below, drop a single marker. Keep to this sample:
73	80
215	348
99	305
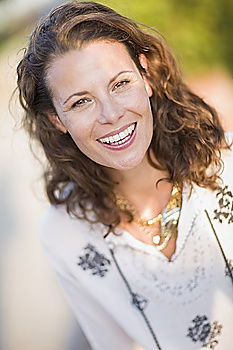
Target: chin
127	164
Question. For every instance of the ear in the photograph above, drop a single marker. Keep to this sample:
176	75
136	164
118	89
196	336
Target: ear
54	119
144	63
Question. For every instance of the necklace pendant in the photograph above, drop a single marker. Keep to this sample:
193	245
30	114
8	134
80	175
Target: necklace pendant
156	239
161	227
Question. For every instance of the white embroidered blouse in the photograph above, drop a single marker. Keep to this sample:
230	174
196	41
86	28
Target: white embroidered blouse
124	292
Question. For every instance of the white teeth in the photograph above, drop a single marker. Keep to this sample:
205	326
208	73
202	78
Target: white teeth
116	137
106	140
123	136
125	133
131	127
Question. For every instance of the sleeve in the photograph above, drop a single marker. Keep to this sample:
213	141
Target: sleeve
100	329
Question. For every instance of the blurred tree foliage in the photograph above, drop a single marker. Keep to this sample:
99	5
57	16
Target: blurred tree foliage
199	31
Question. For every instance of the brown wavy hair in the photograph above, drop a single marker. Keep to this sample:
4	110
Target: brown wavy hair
187	136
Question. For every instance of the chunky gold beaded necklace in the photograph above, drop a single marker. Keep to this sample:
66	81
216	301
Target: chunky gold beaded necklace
167	220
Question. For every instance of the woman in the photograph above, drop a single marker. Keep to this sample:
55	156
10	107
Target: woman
140	227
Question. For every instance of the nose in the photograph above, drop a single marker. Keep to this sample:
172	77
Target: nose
110	110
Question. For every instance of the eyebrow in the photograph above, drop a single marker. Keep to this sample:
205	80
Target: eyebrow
81	93
76	94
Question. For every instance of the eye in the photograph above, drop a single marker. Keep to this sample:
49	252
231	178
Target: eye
81	102
121	84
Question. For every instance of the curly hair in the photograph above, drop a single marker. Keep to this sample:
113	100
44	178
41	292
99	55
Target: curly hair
187	137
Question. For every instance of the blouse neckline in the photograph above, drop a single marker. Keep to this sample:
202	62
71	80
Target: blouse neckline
189	211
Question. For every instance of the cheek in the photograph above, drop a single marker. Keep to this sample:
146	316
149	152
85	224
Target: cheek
143	102
79	136
143	108
78	128
137	100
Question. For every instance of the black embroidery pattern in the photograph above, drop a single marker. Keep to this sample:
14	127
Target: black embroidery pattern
225	202
204	332
94	261
216	330
139	301
227	272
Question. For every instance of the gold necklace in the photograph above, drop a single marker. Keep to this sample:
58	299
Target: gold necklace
167	220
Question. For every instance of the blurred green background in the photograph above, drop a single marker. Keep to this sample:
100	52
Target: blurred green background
199	31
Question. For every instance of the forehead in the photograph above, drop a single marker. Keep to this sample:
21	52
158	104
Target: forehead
97	60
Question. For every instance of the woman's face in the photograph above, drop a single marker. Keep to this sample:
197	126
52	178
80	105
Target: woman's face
102	100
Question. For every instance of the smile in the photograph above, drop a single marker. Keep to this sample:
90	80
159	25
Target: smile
119	140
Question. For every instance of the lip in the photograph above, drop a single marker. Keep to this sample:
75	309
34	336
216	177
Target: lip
116	131
122	146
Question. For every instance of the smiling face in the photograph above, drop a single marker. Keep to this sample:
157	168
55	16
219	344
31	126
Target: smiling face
102	100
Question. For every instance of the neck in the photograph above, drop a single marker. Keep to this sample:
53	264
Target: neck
139	186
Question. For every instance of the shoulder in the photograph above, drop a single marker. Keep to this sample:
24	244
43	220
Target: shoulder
218	203
226	179
64	235
223	197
